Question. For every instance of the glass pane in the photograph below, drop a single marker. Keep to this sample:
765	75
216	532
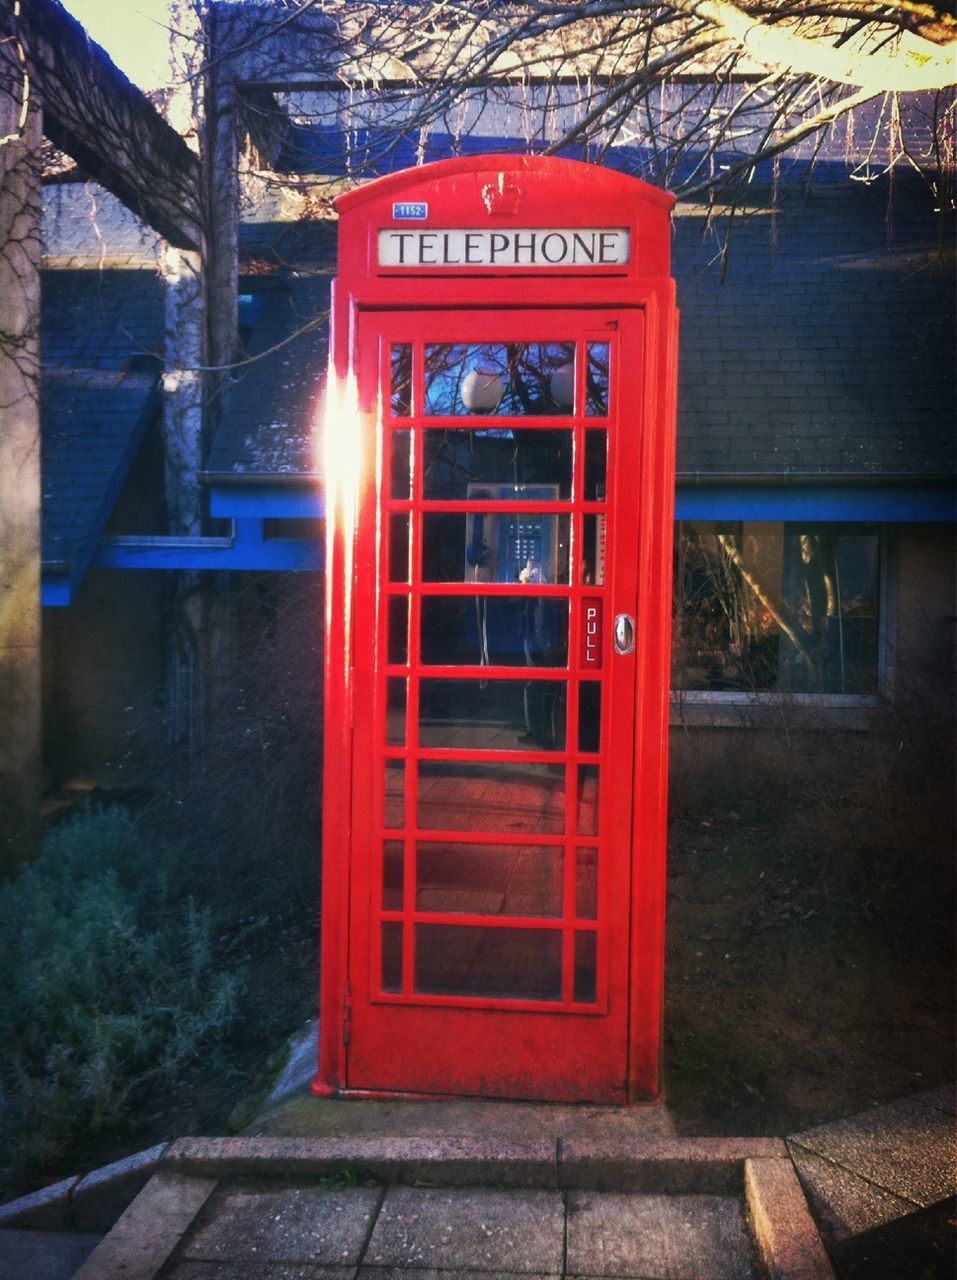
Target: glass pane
393	863
489	879
589	715
399	548
586	953
493	715
481	631
401	362
587	819
399	630
474	796
778	607
400	469
495	547
394	810
396	696
506	378
455	459
593	551
596	380
392	956
516	964
586	884
596	453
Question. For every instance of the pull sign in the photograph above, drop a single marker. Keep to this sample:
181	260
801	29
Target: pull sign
591	632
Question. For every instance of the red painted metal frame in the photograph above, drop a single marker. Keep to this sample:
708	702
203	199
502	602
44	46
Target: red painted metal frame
540	193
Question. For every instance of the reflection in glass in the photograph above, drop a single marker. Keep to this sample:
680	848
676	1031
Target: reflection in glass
596	380
586	965
596	453
393	863
586	884
516	964
523	548
395	702
778	607
589	715
400	468
489	879
503	378
456	458
398	630
391	956
492	715
593	551
586	823
401	370
527	631
472	796
394	811
399	548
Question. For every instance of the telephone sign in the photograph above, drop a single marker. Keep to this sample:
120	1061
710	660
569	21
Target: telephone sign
499	464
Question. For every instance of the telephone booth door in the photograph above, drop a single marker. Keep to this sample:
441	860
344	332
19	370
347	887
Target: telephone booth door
494	657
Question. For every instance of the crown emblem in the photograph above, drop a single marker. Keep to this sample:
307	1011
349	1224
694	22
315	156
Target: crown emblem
501	196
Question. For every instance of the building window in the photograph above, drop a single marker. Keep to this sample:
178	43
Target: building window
777	608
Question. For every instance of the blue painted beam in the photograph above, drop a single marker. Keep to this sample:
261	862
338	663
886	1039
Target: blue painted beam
839	503
247	551
266	501
694	501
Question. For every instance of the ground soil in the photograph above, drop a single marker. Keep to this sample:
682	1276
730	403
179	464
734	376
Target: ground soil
796	994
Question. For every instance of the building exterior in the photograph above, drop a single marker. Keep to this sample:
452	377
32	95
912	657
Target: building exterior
815	503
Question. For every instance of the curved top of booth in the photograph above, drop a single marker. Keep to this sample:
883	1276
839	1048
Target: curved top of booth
506	214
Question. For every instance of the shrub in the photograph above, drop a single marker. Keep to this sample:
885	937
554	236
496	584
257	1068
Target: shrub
110	986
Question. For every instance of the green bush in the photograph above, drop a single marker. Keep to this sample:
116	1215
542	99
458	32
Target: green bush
110	986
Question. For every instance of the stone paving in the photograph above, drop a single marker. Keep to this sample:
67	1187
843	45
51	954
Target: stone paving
614	1196
879	1165
421	1232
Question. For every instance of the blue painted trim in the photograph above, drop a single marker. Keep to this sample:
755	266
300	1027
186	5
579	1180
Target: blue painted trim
247	550
56	592
912	503
840	503
300	501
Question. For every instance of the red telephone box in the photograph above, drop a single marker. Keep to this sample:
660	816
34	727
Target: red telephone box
499	461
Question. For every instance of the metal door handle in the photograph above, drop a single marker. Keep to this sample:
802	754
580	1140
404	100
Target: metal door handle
624	633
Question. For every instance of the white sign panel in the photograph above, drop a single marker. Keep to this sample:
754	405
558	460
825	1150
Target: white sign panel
506	247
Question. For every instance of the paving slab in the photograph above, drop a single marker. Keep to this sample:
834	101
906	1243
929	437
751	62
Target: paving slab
405	1273
315	1225
306	1116
845	1204
905	1147
658	1237
448	1161
150	1229
480	1229
943	1098
45	1210
99	1198
43	1255
189	1269
655	1164
781	1223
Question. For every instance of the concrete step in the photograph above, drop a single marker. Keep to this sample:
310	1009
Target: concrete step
43	1255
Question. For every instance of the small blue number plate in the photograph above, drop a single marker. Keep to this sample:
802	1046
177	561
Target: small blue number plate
408	212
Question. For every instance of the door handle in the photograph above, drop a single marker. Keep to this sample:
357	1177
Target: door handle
624	633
